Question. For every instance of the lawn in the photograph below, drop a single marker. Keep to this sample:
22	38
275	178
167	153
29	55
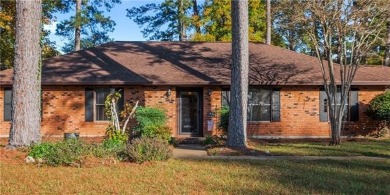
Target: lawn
366	147
197	177
202	177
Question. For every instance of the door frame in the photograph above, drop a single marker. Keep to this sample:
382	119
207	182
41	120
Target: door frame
198	90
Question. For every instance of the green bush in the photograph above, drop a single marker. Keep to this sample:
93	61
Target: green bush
116	136
379	107
148	149
42	150
224	119
109	147
151	122
61	153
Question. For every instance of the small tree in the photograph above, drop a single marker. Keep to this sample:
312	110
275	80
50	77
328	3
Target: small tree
117	129
342	32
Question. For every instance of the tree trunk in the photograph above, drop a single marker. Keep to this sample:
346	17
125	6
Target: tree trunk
180	20
239	75
268	41
196	15
77	33
26	96
387	57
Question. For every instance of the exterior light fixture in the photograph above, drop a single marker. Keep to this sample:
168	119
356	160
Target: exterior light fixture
169	92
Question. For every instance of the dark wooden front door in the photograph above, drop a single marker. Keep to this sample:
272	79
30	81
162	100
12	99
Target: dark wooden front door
190	112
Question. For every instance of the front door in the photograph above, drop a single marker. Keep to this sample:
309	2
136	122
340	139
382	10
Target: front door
189	112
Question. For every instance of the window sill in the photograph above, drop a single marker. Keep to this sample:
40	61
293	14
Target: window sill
99	122
255	122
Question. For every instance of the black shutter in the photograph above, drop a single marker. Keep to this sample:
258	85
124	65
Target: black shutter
89	104
323	106
353	105
275	105
7	104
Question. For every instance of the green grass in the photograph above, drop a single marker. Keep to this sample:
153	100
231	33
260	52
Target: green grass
378	148
201	177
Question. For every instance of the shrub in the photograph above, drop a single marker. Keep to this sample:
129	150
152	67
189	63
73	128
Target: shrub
224	119
109	148
66	152
151	122
42	150
149	116
116	136
379	107
148	149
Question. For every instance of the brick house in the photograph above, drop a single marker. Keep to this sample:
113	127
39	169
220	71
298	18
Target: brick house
191	81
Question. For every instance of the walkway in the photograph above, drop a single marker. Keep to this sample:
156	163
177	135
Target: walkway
198	152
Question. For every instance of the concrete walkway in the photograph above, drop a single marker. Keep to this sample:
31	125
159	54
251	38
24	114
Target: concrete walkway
198	152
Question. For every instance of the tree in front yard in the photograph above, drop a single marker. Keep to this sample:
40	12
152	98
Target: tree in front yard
342	33
26	93
236	136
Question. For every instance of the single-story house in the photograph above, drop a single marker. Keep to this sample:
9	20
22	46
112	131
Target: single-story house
191	81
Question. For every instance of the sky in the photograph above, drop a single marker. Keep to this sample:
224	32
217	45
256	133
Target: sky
125	29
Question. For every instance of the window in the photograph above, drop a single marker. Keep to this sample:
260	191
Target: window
263	104
351	110
100	98
225	98
7	104
259	105
95	103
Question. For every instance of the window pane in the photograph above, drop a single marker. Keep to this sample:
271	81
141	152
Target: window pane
259	105
101	95
256	113
265	97
100	115
225	98
7	112
265	114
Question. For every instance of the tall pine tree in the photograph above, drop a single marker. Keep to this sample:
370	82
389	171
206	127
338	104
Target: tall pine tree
89	26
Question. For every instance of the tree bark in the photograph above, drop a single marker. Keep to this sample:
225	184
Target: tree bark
77	33
239	75
26	94
196	14
387	57
268	40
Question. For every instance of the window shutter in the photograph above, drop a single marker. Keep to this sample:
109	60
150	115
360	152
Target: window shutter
89	104
275	105
354	105
323	106
7	104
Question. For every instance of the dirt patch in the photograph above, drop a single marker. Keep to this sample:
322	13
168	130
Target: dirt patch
14	156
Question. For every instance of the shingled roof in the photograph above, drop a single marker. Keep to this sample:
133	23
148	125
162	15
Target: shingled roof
186	63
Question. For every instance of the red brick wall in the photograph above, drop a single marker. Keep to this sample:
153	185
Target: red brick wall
300	115
64	111
4	125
